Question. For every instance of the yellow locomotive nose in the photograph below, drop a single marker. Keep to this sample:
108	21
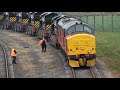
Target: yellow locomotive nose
81	44
82	48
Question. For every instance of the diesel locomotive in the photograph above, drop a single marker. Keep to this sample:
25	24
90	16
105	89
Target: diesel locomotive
77	41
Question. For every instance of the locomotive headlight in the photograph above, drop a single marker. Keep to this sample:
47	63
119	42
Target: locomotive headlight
88	51
92	48
72	50
82	48
77	48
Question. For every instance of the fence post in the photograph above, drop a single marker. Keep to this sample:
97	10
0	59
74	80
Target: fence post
112	22
94	22
87	19
103	22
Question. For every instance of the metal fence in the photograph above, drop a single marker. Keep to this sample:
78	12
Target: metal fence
102	22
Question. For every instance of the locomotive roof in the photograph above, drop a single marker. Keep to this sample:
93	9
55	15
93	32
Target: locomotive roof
65	23
1	13
58	16
55	17
24	13
45	13
38	13
12	14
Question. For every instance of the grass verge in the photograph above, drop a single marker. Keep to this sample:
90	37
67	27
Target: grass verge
108	50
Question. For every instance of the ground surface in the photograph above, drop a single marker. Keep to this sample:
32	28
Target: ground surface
32	63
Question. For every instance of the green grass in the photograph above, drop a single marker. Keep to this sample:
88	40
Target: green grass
107	22
108	49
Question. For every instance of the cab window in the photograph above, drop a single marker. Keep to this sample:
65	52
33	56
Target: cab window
71	30
79	28
87	29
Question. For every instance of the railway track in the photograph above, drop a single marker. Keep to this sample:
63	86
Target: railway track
4	61
82	73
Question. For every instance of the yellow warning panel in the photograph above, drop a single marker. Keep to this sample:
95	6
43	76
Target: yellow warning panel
48	26
74	63
25	21
1	17
37	24
12	19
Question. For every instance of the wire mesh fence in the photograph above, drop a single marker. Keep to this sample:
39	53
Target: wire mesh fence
100	21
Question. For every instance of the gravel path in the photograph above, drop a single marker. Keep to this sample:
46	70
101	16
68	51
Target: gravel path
31	62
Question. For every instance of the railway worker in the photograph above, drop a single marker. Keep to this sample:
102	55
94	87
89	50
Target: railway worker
13	55
42	42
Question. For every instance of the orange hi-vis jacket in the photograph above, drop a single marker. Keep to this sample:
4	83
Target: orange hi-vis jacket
13	53
41	41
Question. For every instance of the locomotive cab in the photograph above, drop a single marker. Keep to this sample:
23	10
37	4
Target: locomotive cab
47	16
82	50
78	41
25	18
55	21
37	19
46	24
25	21
12	20
12	17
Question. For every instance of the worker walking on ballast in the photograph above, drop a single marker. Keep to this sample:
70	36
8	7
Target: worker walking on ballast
42	42
13	55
